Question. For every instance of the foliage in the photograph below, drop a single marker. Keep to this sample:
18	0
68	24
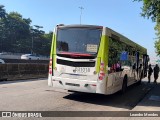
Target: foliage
2	11
157	46
151	9
17	35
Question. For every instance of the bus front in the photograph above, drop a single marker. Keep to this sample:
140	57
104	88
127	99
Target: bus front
74	61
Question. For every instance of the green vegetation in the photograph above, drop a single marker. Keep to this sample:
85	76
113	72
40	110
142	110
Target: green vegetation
151	9
132	46
18	36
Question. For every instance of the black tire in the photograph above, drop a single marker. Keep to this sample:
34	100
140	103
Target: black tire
140	80
124	85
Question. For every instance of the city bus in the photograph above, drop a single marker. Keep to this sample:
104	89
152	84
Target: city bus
94	59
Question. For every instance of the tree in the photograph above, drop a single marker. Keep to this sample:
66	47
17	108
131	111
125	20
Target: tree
2	12
18	32
2	30
151	9
17	35
36	34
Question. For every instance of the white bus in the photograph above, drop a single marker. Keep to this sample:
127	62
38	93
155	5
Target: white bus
94	59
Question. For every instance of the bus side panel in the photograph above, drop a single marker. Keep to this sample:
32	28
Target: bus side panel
114	82
103	54
52	59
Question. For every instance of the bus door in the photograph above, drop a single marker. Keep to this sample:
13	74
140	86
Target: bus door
145	64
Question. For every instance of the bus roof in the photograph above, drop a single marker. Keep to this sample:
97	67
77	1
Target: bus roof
110	33
118	36
79	25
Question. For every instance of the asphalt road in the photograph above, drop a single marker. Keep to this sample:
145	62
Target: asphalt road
35	95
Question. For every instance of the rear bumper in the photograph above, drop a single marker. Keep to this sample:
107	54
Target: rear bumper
74	84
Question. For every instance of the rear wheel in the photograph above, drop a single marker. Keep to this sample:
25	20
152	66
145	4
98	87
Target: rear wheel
124	85
140	80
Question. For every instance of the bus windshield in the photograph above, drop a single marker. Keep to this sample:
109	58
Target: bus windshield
78	41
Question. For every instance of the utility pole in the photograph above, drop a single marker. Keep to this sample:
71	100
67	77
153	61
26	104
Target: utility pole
32	45
34	34
81	13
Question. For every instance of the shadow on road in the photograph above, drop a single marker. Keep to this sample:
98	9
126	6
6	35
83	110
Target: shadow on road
155	95
129	100
17	81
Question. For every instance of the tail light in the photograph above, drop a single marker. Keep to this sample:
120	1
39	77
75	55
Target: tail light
50	66
102	73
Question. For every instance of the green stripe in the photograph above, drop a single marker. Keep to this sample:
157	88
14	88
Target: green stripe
103	53
53	50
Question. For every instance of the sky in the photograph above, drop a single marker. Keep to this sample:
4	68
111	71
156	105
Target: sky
122	16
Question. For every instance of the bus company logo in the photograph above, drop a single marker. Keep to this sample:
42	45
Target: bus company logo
6	114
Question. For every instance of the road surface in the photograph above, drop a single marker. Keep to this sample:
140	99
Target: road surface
35	95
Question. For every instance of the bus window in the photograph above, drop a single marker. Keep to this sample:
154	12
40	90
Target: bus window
126	63
78	40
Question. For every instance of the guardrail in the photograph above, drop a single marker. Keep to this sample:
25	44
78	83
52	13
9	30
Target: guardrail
23	71
26	61
18	56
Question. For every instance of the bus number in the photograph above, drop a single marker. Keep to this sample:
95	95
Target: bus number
82	70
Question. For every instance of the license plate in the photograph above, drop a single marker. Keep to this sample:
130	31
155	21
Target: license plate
82	70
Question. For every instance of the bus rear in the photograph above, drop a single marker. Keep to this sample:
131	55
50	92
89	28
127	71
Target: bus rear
76	60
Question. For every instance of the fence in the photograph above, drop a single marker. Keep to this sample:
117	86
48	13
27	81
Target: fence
23	71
